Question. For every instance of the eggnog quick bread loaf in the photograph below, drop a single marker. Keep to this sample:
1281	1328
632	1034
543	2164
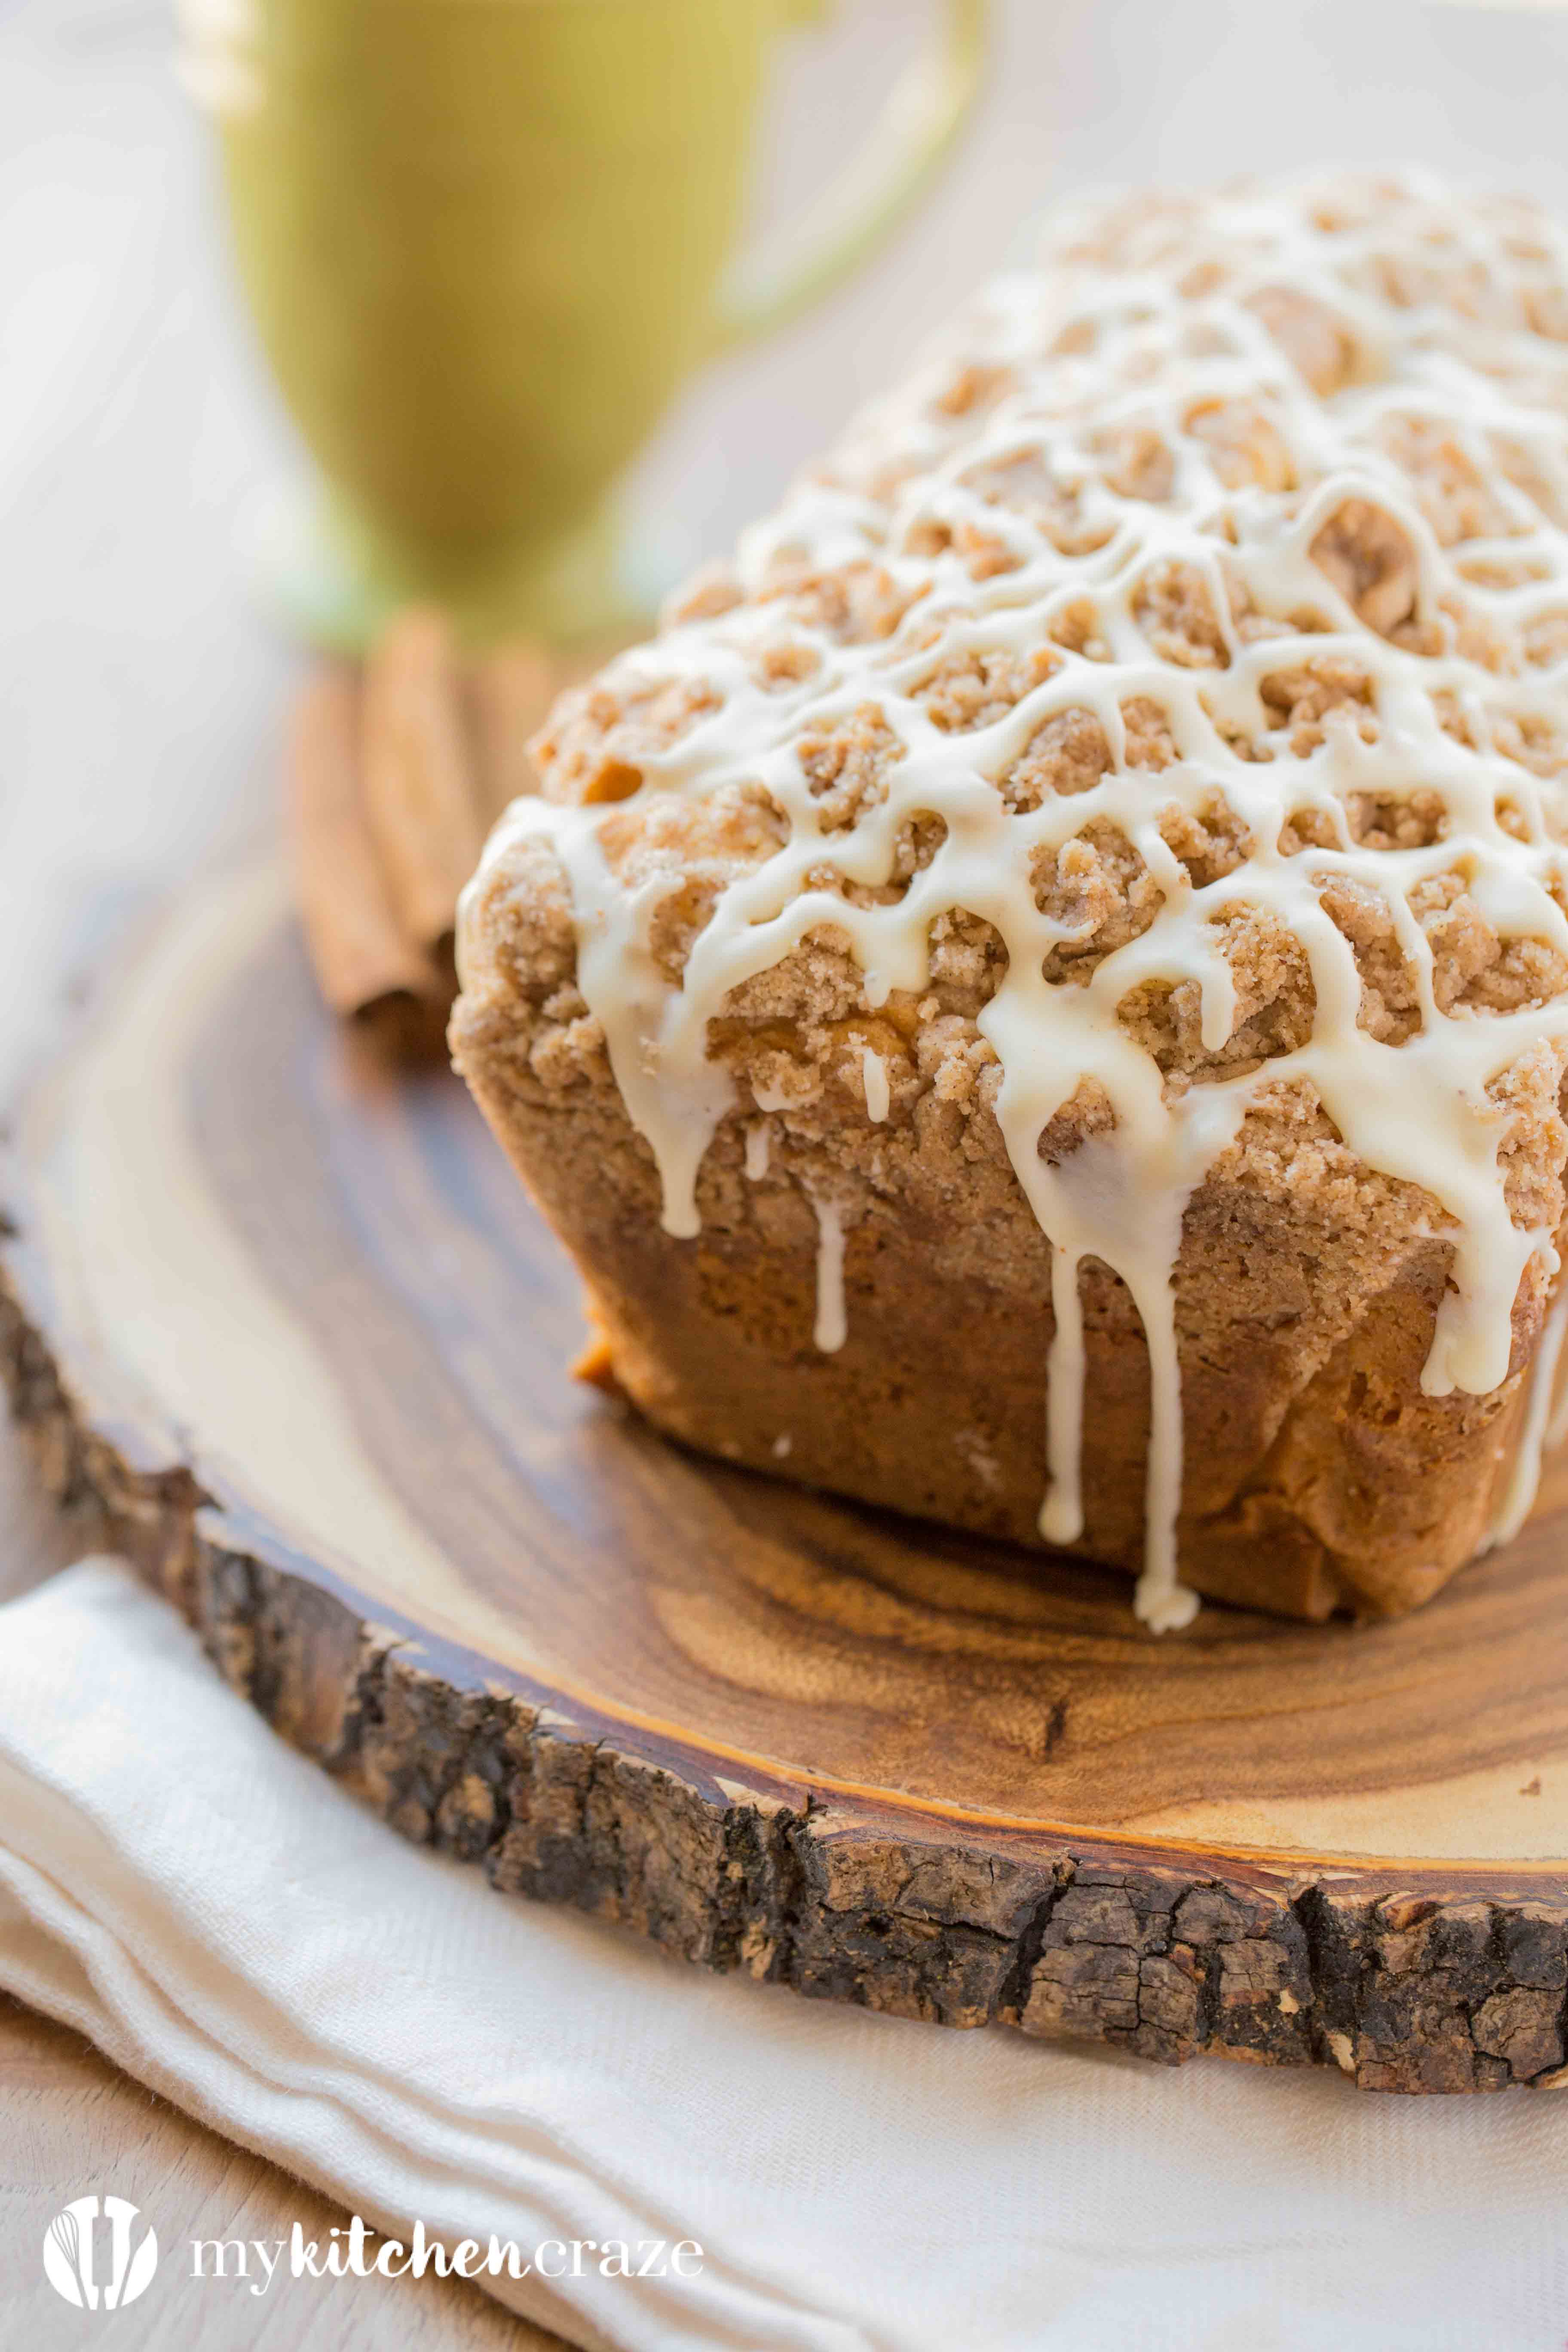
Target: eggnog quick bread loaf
1040	998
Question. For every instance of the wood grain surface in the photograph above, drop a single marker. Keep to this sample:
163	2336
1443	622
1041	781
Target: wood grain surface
284	1310
75	2124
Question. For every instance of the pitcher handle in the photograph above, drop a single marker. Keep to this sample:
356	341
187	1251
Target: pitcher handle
919	121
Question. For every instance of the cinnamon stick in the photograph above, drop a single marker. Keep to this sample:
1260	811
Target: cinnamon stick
359	954
510	692
396	770
416	775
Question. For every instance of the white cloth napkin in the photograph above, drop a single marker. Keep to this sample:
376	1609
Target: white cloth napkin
236	1932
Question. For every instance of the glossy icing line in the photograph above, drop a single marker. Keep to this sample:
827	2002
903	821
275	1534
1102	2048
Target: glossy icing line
832	1326
1540	1430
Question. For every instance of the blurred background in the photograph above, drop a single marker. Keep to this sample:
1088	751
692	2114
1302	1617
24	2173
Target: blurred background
140	436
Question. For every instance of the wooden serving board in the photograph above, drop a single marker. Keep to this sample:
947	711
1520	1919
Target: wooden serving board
286	1313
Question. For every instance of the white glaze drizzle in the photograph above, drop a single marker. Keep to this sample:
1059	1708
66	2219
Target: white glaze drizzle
874	1076
1539	1430
832	1321
757	1150
1556	1430
1164	349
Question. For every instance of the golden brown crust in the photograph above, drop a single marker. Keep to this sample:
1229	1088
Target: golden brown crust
1319	1476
